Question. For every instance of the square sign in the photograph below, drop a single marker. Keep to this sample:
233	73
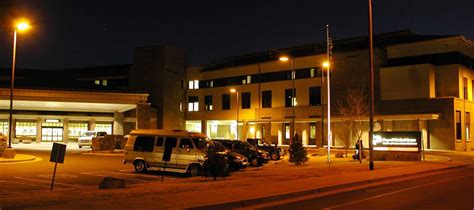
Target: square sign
57	153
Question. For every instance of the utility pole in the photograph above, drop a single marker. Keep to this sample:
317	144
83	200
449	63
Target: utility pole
371	66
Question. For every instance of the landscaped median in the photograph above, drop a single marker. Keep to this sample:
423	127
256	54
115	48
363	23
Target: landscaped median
273	181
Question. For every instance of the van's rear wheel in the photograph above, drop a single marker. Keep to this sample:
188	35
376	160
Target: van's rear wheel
194	170
140	166
275	156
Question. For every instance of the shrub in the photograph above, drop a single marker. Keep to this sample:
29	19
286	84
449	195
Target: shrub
215	165
298	153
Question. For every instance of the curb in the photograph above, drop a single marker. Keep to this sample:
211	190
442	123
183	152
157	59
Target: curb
326	189
26	158
102	154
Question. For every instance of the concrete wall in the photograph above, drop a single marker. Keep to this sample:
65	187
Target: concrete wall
407	82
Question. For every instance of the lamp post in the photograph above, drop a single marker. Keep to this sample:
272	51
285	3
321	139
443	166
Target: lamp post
293	97
326	65
371	107
233	90
20	26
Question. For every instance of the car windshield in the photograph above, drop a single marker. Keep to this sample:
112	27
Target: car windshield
89	133
248	145
218	146
200	143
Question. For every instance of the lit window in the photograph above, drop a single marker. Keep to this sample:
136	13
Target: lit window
293	75
193	103
311	72
104	82
249	79
190	106
211	84
196	84
191	85
244	81
196	106
97	82
180	106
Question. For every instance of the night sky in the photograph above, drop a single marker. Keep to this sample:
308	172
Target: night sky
78	33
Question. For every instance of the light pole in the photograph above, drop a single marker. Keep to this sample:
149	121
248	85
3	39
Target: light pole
326	65
293	97
371	107
19	26
233	90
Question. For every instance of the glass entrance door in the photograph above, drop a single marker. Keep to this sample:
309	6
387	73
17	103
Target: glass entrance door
51	134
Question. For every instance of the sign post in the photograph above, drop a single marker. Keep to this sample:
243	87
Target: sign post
166	157
57	156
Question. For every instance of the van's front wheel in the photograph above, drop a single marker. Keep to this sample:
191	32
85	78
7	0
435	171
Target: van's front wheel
194	170
140	166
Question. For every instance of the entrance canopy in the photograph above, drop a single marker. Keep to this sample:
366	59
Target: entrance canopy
74	101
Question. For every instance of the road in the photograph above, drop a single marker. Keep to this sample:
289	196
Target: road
78	170
446	191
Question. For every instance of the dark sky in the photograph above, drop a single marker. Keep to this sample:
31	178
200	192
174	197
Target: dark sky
76	33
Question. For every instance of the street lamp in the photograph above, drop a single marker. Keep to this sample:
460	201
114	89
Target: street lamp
20	26
327	65
371	107
293	97
233	90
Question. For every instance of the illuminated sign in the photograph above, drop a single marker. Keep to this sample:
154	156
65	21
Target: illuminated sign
397	141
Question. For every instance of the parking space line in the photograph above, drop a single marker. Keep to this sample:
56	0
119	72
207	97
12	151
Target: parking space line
24	183
132	173
42	181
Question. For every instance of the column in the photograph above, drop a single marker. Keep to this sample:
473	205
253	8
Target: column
204	126
118	123
91	125
244	133
39	129
143	115
66	130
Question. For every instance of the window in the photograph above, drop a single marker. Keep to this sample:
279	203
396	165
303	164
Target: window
104	82
200	143
211	83
76	129
267	99
4	127
170	142
289	98
194	84
26	129
293	75
193	103
186	143
246	100
97	82
468	125
312	134
458	125
315	96
249	79
159	141
144	144
225	101
287	134
208	102
311	72
104	126
465	88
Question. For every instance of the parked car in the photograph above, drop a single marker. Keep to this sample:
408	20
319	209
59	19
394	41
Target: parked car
254	156
145	149
86	138
262	144
236	161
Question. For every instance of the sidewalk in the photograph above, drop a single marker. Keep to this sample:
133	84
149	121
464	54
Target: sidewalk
271	180
18	158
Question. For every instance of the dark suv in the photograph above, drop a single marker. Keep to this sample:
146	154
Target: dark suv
236	161
254	157
261	144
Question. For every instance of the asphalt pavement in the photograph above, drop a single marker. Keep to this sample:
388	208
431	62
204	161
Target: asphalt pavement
443	191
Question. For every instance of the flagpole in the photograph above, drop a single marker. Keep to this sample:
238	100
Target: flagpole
329	92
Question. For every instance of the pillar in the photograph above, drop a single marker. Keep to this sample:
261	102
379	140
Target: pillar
39	129
66	130
91	125
143	115
118	123
244	133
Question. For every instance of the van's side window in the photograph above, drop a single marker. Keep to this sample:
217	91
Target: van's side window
144	143
171	142
185	143
159	141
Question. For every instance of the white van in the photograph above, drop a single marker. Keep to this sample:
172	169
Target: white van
145	149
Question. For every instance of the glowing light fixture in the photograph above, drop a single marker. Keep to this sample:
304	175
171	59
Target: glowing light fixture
284	58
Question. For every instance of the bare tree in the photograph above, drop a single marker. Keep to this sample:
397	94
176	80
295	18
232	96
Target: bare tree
353	106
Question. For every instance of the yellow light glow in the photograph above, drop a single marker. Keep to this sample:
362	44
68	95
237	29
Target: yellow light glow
326	64
22	25
252	130
233	90
284	58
